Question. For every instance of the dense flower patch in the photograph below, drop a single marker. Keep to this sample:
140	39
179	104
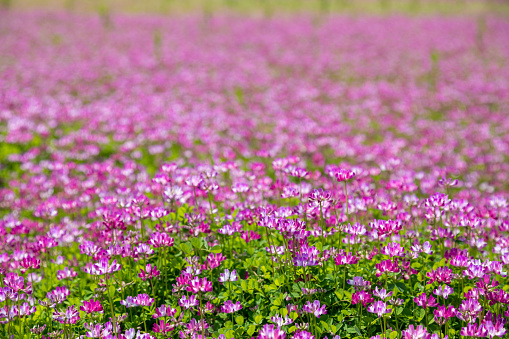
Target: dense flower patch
178	178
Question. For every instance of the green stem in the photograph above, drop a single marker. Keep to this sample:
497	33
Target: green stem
346	196
201	315
111	308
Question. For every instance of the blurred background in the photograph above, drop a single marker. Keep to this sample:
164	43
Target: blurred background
265	7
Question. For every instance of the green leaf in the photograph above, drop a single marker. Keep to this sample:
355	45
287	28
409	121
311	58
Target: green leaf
258	318
186	247
196	242
292	329
393	335
251	329
416	265
243	284
401	286
216	249
271	287
325	325
239	320
351	330
419	314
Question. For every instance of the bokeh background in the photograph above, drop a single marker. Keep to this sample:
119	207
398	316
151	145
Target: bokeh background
267	7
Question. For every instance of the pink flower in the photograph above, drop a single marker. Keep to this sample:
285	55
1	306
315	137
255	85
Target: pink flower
25	310
387	266
230	307
308	256
188	302
347	259
443	291
303	335
66	274
29	263
418	332
199	285
472	330
495	330
280	321
214	260
443	313
91	306
382	293
139	300
379	307
59	294
228	276
164	311
160	240
362	296
314	308
423	301
162	327
271	332
149	273
442	275
103	267
344	175
69	316
14	282
393	250
469	310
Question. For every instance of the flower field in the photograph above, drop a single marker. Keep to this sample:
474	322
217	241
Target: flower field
241	177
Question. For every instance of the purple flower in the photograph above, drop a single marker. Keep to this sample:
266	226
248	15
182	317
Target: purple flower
149	273
423	301
66	274
314	308
303	335
188	302
495	330
382	293
469	310
91	306
418	332
443	313
280	321
69	316
164	311
472	330
230	307
379	308
139	300
103	267
271	332
199	285
443	291
228	276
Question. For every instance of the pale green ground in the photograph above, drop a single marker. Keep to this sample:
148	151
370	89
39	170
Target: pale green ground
268	7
